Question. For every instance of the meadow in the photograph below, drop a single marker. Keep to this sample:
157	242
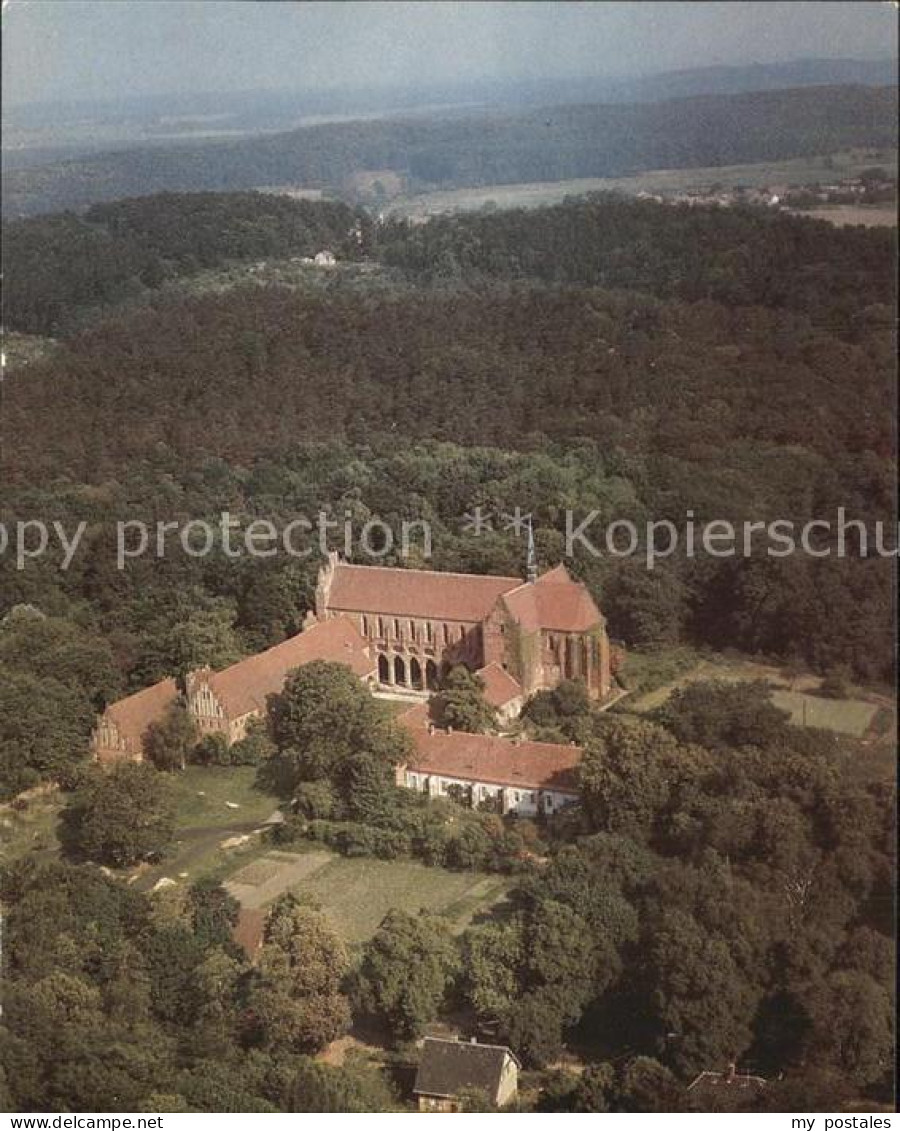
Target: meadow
357	892
801	170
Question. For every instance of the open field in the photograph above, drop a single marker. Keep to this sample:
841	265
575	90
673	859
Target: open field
734	670
869	215
843	716
21	350
220	797
803	170
851	716
204	818
210	835
356	893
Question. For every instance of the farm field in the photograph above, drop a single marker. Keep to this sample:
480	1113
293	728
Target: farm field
804	170
357	892
868	215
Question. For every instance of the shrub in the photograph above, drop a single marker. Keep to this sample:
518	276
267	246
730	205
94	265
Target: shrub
315	800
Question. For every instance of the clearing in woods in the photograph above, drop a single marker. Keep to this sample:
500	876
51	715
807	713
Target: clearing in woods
356	893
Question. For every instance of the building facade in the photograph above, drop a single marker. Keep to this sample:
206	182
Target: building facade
510	776
225	702
418	622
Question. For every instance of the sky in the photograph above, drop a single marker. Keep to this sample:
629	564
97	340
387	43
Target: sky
110	49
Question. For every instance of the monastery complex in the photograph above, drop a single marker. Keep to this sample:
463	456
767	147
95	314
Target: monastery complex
398	630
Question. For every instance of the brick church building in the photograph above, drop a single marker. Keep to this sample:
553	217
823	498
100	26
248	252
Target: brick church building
539	631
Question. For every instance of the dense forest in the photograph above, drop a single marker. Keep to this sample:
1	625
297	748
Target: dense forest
548	144
557	359
642	360
59	267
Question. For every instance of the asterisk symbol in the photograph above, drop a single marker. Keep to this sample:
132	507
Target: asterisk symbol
476	522
517	522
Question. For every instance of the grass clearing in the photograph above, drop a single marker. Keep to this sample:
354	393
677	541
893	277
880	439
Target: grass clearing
690	668
32	829
203	794
843	716
645	672
260	882
204	820
357	892
855	716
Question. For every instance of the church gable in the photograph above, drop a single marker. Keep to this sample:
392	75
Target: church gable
555	602
120	730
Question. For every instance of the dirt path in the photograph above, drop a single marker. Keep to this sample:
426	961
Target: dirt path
192	845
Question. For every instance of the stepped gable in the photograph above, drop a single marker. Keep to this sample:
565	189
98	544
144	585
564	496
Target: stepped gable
123	724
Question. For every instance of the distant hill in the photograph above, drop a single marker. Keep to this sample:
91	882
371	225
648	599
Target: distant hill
549	143
758	76
57	267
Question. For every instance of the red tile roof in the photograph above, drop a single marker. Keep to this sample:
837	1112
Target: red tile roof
490	759
245	686
467	597
554	602
133	714
499	685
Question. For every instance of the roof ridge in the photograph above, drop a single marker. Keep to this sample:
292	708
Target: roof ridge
466	1043
435	572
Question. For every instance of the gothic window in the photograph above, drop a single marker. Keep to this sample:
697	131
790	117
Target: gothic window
412	630
365	625
397	629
